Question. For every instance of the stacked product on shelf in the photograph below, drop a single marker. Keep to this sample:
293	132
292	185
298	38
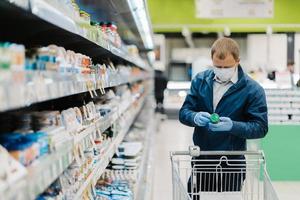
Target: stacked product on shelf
70	21
68	15
90	152
121	179
80	169
127	157
283	106
115	185
31	135
15	57
12	56
52	58
10	170
121	128
64	73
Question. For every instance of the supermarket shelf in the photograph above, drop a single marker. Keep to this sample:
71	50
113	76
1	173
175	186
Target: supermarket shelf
26	24
47	170
130	28
21	3
44	86
101	165
106	123
50	167
100	124
48	29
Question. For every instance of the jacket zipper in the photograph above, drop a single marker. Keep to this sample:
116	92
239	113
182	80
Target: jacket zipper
230	136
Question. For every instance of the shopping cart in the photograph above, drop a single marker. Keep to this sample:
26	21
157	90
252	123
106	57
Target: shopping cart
216	175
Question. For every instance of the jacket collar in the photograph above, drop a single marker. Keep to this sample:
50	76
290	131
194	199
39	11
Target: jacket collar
239	84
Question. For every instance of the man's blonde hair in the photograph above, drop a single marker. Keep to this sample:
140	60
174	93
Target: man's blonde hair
224	46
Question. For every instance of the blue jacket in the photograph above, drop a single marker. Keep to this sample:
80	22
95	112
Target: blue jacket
244	102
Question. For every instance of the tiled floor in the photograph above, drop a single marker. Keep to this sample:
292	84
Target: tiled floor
287	190
174	136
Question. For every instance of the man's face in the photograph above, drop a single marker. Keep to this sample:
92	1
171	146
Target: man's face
227	62
224	69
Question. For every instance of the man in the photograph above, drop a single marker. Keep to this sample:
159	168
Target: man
291	70
159	88
241	104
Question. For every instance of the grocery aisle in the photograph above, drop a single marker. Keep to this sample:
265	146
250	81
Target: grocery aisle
171	136
79	80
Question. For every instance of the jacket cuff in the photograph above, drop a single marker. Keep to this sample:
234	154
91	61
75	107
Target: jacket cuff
193	118
237	128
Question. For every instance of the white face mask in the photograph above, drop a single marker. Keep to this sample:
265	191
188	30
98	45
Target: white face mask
224	74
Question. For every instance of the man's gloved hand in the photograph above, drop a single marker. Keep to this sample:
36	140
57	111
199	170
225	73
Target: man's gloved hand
202	118
225	124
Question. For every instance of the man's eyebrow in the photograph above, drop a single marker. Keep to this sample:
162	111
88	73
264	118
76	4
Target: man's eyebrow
222	66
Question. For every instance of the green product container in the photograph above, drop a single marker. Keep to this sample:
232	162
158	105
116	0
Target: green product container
214	118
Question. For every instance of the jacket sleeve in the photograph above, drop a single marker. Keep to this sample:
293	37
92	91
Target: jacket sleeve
256	112
189	108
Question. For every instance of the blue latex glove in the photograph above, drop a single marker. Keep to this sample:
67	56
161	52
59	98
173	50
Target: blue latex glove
225	124
202	118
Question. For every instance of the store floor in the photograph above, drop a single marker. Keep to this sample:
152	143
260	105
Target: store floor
174	136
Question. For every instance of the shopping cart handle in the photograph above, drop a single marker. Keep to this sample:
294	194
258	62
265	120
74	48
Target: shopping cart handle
193	151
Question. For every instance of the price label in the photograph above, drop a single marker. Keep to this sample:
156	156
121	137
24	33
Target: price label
89	86
77	154
92	141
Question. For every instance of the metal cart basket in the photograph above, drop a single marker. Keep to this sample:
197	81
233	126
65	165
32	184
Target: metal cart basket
220	175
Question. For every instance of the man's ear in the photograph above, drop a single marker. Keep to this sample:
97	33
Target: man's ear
238	60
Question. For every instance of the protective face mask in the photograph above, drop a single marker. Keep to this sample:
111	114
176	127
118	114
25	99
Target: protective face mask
224	74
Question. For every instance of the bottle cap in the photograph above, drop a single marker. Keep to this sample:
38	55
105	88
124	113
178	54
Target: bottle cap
214	118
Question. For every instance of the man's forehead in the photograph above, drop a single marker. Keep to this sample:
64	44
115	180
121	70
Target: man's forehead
227	58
